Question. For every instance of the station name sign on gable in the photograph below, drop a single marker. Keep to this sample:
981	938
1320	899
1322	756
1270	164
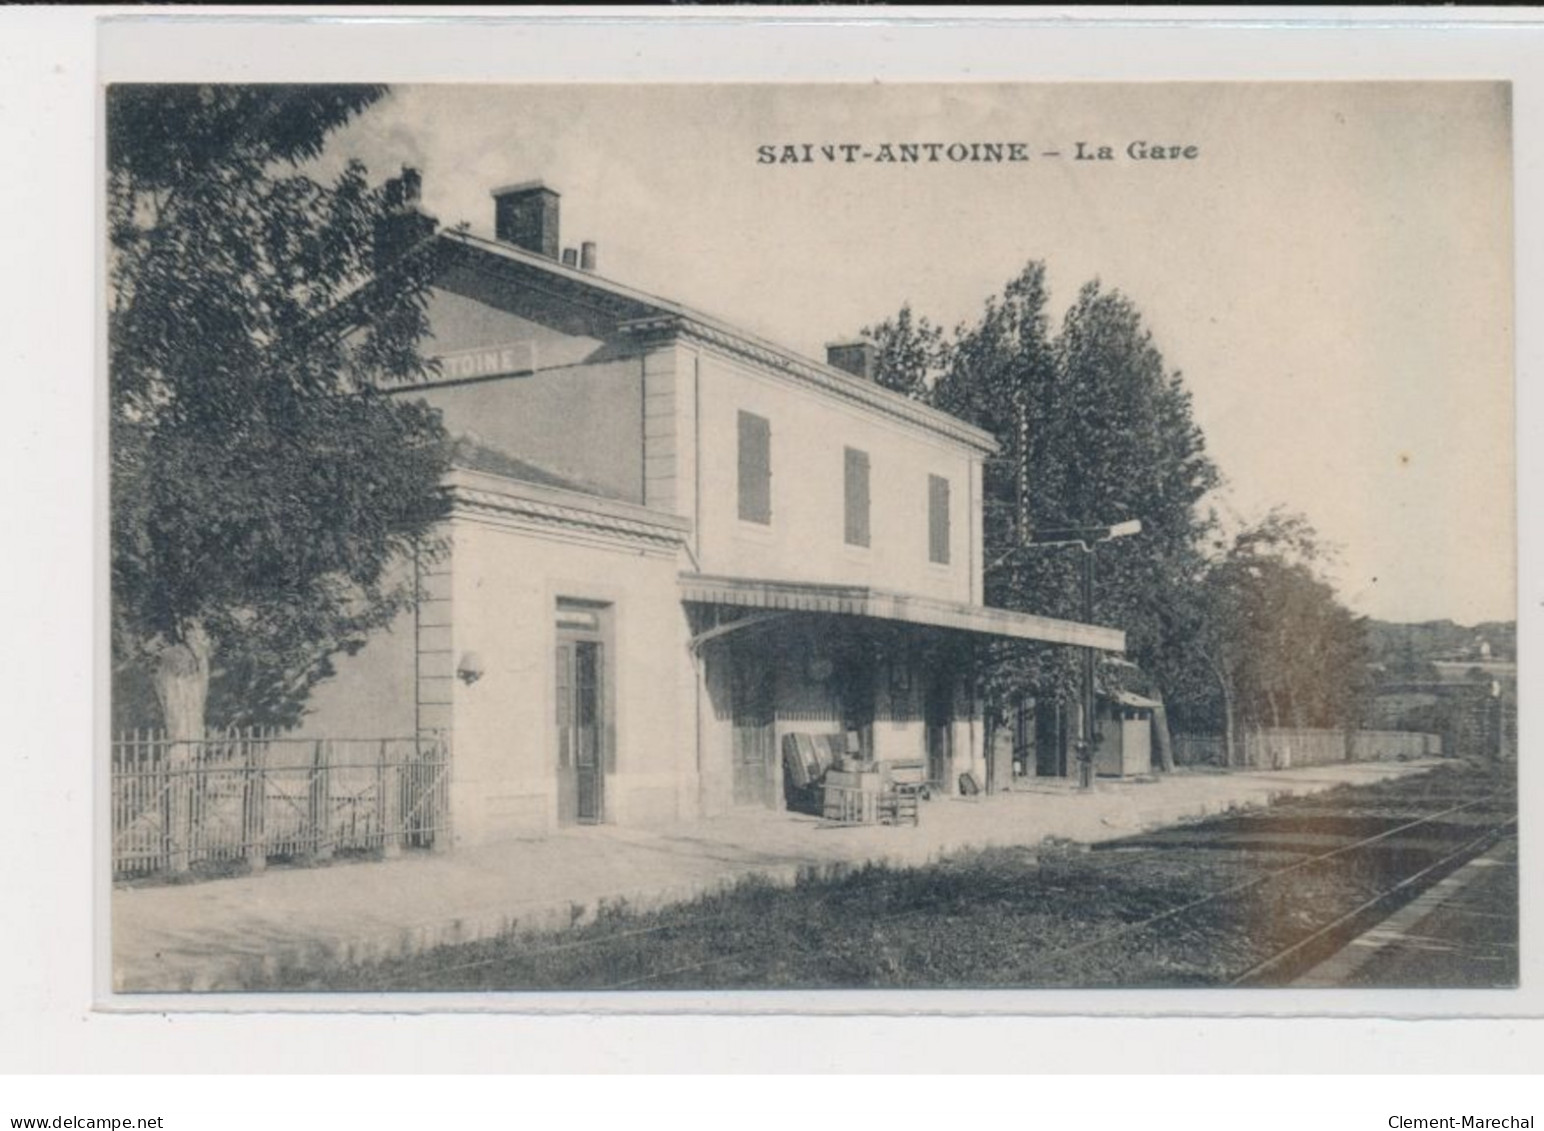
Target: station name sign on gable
507	360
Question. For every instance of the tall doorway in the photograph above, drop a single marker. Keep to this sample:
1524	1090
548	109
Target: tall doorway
938	717
1051	739
583	711
752	698
856	685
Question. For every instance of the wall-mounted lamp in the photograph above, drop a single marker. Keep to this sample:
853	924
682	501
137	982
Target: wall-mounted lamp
470	668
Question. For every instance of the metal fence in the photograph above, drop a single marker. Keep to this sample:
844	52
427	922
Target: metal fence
254	796
1200	750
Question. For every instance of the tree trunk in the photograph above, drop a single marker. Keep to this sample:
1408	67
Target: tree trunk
1227	725
1225	685
1276	725
1161	736
182	689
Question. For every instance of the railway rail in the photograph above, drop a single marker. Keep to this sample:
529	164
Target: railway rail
1263	896
1428	838
1292	960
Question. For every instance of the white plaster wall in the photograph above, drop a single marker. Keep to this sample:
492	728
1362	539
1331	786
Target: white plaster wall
507	584
805	542
715	732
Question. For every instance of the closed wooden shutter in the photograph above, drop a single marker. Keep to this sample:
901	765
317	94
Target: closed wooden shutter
938	519
755	468
565	705
856	481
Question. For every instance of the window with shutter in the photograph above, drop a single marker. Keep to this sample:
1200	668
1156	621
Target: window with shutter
938	519
755	469
856	486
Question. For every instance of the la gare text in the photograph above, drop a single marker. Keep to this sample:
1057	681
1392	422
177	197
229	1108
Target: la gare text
967	152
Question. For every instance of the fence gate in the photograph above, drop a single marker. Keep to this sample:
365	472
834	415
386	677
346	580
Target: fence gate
426	796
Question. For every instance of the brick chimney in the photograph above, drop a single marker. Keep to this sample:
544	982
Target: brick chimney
526	215
404	231
402	193
857	357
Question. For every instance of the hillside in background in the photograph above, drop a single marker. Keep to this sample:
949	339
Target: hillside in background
1456	681
1411	645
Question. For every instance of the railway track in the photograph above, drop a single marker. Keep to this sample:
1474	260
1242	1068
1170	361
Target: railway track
1426	839
1286	964
1260	897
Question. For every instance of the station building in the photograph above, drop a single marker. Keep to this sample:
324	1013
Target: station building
671	544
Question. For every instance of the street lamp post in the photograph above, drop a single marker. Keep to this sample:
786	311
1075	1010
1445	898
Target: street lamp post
1086	748
1087	538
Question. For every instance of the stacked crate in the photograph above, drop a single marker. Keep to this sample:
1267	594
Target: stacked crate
852	796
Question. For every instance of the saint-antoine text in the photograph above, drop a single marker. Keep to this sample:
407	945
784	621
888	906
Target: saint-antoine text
968	152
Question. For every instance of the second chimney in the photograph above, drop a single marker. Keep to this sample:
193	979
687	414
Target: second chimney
857	357
526	215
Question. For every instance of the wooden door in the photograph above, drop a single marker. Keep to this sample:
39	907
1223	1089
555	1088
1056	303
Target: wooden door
581	732
1050	740
589	732
856	688
938	714
754	744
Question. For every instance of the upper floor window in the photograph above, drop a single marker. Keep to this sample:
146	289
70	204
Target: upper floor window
855	479
938	519
755	469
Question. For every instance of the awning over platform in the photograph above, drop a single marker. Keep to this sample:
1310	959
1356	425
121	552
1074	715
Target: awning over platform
861	601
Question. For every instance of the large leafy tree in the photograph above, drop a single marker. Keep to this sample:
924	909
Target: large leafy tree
1125	445
1000	374
265	488
910	353
1093	429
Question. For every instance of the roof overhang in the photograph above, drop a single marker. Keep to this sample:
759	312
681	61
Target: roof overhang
532	508
909	608
643	315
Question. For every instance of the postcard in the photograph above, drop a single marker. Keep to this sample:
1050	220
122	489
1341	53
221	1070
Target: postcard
637	538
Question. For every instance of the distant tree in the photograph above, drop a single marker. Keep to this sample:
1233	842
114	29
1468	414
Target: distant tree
1270	636
909	353
264	488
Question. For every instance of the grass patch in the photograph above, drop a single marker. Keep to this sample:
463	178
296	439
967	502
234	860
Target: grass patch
1128	913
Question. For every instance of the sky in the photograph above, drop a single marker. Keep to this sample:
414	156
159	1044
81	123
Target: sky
1331	271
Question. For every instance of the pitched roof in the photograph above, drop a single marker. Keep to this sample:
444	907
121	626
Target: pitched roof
639	312
474	455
